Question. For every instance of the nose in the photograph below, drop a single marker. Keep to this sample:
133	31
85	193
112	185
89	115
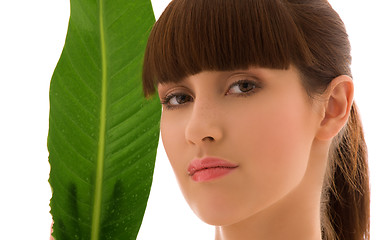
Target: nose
205	124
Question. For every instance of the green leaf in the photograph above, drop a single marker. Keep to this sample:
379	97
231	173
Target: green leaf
103	133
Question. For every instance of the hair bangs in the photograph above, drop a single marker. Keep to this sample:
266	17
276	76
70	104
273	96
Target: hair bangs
226	35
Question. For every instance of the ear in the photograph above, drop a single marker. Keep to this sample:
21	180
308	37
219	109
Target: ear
339	98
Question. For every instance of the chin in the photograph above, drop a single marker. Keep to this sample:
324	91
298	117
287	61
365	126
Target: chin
216	219
219	214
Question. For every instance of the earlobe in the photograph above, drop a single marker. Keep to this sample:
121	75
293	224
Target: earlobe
339	99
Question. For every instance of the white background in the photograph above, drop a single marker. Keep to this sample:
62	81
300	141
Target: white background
32	35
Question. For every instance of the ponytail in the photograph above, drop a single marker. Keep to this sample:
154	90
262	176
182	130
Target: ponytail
346	196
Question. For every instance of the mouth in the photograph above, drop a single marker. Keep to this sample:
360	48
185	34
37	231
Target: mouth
209	168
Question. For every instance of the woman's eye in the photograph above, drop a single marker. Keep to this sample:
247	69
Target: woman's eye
242	87
239	88
175	100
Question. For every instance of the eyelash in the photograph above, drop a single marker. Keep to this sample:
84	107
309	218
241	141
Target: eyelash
165	101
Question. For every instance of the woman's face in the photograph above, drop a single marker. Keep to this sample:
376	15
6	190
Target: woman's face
259	121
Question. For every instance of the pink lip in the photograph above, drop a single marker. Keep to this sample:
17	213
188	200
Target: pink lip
209	168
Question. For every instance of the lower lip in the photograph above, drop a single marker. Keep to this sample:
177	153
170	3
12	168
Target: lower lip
211	173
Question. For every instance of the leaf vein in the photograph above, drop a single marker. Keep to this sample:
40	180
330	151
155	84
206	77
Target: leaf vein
78	74
60	134
83	108
86	47
96	219
69	118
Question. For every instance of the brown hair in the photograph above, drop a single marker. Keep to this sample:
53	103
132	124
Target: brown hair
196	35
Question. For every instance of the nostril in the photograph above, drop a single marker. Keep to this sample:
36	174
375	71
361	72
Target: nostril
211	139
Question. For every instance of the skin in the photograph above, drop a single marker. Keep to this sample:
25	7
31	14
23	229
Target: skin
272	130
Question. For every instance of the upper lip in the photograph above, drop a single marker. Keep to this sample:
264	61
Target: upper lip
208	162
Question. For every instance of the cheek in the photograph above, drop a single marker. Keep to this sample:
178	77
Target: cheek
173	138
283	137
277	143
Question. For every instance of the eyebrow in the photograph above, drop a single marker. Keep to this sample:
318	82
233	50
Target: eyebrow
255	73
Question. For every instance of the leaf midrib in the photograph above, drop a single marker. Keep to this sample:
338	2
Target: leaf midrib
95	231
